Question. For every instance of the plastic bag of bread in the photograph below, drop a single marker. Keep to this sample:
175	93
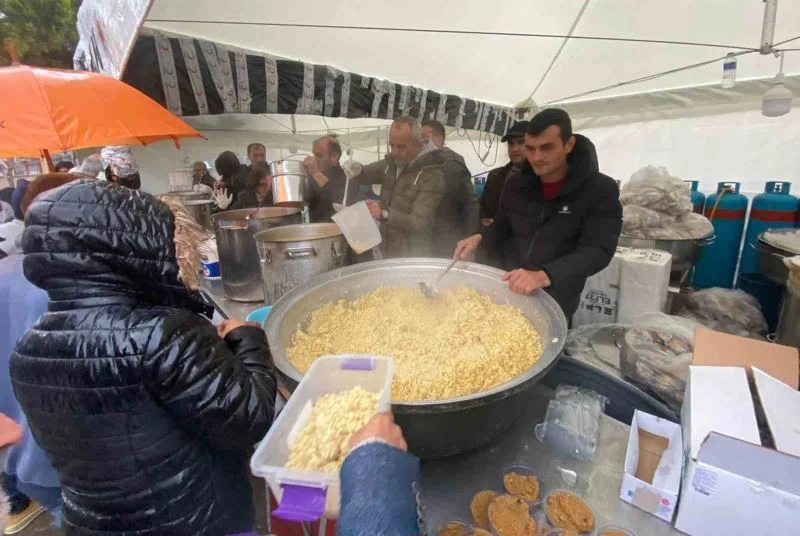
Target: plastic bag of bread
656	355
729	311
656	189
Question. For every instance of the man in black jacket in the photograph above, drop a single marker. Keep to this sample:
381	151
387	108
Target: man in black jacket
559	219
329	179
490	199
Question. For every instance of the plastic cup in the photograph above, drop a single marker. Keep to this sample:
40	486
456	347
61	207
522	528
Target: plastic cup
547	515
459	528
523	470
613	529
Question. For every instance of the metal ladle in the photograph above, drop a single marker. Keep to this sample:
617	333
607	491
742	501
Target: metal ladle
432	291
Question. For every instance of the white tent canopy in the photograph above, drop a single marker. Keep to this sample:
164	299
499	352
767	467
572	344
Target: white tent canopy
506	52
506	67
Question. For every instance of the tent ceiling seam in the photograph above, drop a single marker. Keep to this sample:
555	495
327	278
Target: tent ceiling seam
646	78
560	49
454	32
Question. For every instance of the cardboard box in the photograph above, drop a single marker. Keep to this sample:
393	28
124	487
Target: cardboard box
643	283
731	484
653	464
718	400
722	349
781	406
736	488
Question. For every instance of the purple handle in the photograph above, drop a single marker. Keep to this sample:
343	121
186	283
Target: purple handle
301	502
357	363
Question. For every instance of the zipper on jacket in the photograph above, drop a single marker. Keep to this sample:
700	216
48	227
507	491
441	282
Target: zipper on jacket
544	216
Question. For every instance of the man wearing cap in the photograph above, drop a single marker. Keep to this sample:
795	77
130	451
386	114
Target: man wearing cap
490	199
558	219
120	167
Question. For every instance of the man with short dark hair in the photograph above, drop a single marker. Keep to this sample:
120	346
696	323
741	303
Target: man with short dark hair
457	215
433	131
330	181
490	199
257	154
559	218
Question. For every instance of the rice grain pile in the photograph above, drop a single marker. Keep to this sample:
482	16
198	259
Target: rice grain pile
454	345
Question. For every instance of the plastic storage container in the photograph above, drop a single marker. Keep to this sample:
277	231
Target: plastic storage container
727	210
698	197
773	209
310	495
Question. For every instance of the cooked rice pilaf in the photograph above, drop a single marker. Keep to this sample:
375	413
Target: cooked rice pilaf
454	345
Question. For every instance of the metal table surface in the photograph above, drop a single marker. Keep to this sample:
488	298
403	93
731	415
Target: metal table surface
226	307
448	485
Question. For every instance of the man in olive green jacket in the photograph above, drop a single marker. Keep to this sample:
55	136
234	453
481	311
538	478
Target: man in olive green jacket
412	187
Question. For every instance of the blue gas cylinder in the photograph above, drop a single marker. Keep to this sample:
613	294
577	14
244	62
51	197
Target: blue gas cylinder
773	209
698	197
726	209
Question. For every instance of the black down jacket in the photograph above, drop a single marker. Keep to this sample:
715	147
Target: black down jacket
570	237
146	413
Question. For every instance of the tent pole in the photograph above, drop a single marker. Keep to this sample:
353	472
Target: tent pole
768	27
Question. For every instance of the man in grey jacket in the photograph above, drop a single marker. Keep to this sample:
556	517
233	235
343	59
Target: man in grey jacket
412	187
458	212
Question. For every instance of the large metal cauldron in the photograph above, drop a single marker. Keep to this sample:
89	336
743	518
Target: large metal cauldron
198	205
772	250
440	428
292	254
685	252
238	256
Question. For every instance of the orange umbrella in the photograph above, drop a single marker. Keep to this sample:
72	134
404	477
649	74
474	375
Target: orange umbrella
48	110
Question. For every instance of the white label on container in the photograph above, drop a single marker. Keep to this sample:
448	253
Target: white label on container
704	481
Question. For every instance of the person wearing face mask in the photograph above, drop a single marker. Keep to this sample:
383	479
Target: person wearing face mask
490	199
257	192
457	215
412	187
120	167
559	218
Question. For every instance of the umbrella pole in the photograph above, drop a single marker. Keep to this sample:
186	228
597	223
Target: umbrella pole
48	159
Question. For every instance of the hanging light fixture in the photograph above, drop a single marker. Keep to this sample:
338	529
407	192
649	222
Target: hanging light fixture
777	101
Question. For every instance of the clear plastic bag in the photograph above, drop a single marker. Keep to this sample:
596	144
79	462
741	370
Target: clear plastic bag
656	189
592	343
730	311
689	226
572	421
636	220
657	353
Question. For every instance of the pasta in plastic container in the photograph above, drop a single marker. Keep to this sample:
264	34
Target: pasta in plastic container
331	397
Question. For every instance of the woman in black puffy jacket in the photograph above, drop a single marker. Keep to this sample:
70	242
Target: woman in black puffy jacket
146	410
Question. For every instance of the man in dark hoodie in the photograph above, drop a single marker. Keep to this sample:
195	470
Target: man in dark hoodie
559	218
457	215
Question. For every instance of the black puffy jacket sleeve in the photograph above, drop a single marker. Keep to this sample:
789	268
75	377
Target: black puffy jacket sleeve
221	391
